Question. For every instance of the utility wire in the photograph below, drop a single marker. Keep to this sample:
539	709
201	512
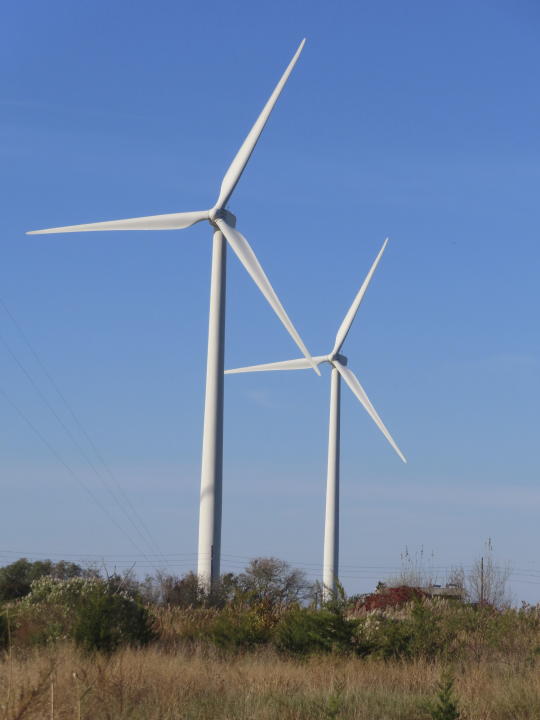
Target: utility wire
355	572
70	435
70	470
233	559
144	534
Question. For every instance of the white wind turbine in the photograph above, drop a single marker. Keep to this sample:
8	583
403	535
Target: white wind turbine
339	370
223	224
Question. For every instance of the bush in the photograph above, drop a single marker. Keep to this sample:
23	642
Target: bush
67	594
16	579
272	583
390	597
47	613
39	624
239	630
98	614
428	636
304	631
105	620
419	632
188	591
383	637
446	707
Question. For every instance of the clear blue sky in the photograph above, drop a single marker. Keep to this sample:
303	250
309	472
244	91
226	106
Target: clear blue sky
414	120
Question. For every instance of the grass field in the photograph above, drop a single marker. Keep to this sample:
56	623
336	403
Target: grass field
95	649
199	684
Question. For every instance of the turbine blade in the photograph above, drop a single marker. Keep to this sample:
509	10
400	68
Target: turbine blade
172	221
299	364
249	260
233	174
351	314
354	384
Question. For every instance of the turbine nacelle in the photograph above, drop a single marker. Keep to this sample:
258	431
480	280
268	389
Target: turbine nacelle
220	218
340	372
336	360
337	357
221	214
225	222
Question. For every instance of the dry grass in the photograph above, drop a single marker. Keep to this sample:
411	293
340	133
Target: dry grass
155	684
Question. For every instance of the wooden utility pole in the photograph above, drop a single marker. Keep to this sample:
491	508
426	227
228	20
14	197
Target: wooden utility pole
482	581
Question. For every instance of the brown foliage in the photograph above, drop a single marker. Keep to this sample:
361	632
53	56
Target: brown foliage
391	597
152	684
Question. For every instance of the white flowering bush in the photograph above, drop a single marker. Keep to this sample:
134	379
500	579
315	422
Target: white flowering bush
63	593
97	613
47	613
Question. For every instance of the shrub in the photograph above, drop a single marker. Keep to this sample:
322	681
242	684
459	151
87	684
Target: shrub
16	579
187	591
100	615
47	613
272	583
445	707
40	624
105	620
427	636
239	630
67	594
416	631
303	631
390	597
383	637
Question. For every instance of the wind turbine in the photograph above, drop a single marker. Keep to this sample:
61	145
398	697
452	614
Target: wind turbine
223	225
340	370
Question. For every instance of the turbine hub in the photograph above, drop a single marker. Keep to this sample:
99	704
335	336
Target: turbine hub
340	358
221	214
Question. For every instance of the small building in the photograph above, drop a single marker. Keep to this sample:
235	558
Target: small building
452	591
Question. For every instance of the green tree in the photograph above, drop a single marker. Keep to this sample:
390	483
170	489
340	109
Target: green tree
107	619
16	579
274	583
445	707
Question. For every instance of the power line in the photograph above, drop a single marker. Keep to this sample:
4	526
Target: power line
69	469
184	561
137	527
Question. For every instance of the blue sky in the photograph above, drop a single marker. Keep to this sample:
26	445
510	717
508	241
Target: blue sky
418	121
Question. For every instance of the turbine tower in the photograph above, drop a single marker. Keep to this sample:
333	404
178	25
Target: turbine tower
340	371
223	228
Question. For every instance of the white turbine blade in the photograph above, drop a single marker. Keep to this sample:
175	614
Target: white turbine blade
233	174
172	221
349	317
299	364
354	384
249	260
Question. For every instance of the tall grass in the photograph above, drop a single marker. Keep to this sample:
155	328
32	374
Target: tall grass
258	661
202	684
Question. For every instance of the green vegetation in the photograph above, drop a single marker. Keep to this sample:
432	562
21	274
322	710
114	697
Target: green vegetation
269	604
107	620
264	632
445	707
16	579
303	631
